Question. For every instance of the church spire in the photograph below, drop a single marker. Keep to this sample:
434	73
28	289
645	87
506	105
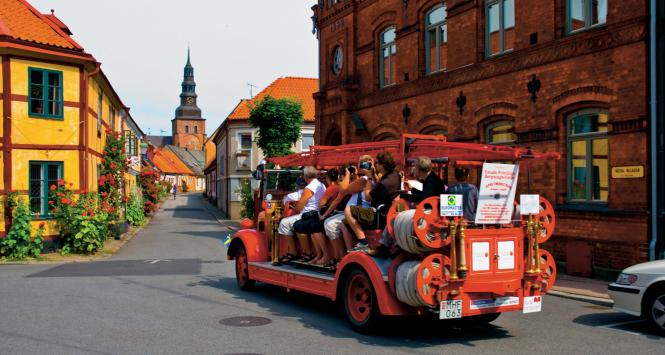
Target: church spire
188	108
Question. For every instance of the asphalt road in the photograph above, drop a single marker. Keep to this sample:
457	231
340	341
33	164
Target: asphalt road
171	291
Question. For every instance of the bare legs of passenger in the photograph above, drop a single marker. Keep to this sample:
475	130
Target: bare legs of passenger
291	249
319	240
339	249
349	241
305	245
318	253
353	224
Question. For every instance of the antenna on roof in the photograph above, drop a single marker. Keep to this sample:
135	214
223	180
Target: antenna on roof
251	90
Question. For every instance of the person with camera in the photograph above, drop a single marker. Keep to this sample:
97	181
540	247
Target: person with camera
307	209
382	194
354	189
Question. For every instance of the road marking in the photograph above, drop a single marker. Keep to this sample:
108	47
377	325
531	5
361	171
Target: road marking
152	262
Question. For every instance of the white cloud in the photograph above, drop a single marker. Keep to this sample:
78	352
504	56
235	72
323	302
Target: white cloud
142	45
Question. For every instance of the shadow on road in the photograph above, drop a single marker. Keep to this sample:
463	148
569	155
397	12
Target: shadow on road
327	317
619	322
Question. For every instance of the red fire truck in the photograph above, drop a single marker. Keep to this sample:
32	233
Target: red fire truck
443	265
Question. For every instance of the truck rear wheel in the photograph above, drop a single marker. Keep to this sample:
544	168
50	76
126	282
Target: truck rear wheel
242	270
360	305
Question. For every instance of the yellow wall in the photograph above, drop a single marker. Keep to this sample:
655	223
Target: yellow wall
21	159
50	131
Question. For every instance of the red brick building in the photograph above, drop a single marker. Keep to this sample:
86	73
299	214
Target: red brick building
564	75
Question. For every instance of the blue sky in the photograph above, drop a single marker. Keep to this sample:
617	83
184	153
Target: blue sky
142	45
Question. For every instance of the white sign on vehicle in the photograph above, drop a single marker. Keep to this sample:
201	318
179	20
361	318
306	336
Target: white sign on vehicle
532	304
480	253
451	205
493	303
497	193
450	309
506	255
529	204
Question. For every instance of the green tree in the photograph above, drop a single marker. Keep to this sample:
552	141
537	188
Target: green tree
278	122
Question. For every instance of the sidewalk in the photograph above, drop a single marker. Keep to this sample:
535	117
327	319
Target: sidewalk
582	289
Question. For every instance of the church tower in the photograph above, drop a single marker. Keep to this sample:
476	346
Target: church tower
188	125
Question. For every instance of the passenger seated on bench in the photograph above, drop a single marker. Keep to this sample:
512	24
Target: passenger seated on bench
468	191
316	229
354	188
383	193
432	183
307	209
432	186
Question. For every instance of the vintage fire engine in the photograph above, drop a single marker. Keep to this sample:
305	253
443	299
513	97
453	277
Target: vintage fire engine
444	266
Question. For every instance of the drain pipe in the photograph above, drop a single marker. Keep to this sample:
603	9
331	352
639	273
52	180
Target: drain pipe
654	128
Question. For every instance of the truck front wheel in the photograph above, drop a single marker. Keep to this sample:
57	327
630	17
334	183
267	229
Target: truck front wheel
242	270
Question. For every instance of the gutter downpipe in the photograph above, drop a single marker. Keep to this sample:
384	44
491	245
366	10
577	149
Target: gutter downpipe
654	128
88	76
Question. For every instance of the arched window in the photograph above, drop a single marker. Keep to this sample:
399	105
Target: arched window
501	132
436	39
588	160
186	129
387	68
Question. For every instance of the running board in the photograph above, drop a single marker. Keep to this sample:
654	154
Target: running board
291	277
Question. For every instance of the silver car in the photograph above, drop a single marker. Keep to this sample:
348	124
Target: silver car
640	291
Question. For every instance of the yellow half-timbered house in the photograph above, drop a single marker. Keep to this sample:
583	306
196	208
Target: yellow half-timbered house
56	106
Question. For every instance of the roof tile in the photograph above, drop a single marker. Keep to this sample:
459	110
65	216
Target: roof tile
300	89
24	22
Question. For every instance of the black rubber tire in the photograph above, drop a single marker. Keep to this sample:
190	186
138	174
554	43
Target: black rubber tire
244	282
371	323
652	314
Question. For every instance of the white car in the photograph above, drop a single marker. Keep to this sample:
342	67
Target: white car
640	291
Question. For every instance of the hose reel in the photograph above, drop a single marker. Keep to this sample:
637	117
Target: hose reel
418	282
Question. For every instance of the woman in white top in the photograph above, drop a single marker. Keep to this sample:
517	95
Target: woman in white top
308	205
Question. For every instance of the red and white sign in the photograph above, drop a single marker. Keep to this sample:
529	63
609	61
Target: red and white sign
532	304
497	193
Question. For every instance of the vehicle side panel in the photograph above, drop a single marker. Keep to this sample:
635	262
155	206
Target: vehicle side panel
256	245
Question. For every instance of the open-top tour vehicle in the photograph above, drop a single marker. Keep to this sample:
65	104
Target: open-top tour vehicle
443	265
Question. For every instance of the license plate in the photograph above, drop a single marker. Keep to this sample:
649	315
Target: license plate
532	304
450	309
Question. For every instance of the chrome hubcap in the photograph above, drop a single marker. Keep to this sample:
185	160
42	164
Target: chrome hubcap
658	311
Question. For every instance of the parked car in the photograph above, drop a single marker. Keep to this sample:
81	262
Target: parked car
640	291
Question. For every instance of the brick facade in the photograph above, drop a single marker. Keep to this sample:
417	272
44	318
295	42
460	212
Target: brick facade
602	68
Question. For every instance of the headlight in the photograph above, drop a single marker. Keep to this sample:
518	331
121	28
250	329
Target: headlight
626	279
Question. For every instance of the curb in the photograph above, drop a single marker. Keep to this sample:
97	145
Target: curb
605	302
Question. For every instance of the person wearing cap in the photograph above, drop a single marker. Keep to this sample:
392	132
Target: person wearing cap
308	208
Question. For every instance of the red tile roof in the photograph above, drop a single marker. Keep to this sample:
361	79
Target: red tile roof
300	89
169	163
21	21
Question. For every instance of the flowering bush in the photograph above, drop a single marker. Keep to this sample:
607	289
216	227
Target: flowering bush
151	189
83	222
114	166
19	244
135	210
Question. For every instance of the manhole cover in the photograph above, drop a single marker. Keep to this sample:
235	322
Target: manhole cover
245	321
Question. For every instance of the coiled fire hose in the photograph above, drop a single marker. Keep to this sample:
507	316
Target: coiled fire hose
405	236
406	286
417	283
